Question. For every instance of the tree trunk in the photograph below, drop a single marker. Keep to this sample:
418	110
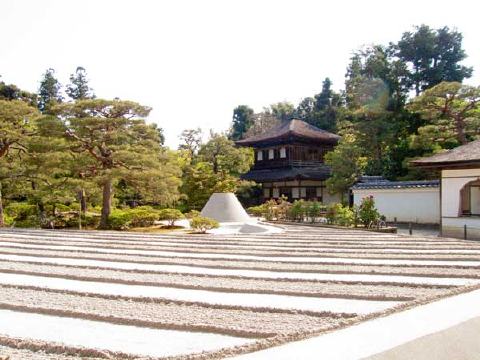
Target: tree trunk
460	127
106	203
83	201
2	220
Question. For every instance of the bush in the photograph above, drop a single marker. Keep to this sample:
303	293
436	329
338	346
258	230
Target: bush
313	210
22	215
202	224
367	212
297	211
340	215
345	216
141	217
171	215
119	220
257	211
192	213
21	211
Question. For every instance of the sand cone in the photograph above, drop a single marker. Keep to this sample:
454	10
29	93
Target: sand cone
225	207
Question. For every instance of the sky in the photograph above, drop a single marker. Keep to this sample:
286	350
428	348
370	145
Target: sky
194	61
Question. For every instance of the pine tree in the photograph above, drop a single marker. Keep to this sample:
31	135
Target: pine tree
118	143
49	91
78	88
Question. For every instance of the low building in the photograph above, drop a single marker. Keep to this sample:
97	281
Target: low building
459	189
401	201
289	161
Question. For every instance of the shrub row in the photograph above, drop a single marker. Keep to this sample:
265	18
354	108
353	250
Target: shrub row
313	211
281	209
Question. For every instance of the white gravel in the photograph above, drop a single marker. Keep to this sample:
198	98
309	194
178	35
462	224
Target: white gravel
246	273
211	297
100	335
297	258
157	246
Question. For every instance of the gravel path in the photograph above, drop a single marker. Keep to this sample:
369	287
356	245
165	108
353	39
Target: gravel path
244	300
12	353
315	246
225	272
164	315
179	257
188	293
274	255
324	289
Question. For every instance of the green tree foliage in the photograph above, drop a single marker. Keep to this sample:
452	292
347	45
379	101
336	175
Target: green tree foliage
283	110
373	65
191	139
170	215
224	156
452	111
367	211
203	224
243	118
78	88
215	168
12	92
17	125
433	56
117	141
347	163
49	91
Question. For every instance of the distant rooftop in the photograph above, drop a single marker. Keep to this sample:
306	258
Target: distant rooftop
292	129
468	154
378	182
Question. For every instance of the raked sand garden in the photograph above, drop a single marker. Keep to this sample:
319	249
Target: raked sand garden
102	295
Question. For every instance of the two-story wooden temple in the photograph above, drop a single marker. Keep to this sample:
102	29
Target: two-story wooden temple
289	161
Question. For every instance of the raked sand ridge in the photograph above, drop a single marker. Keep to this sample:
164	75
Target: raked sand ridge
201	297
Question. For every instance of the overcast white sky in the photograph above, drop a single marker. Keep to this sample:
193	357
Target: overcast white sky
193	61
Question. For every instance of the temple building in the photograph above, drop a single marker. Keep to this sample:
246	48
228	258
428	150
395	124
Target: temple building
289	161
459	189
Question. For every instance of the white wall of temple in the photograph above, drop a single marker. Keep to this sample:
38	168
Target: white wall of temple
418	205
452	182
452	220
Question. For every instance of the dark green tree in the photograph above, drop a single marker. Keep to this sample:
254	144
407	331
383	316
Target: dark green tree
283	110
433	56
49	91
242	121
78	88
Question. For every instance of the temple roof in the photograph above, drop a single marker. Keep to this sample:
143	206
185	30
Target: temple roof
321	172
464	155
289	130
386	184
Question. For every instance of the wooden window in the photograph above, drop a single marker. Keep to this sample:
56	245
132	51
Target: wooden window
271	154
283	153
266	193
311	193
303	192
295	193
259	155
276	193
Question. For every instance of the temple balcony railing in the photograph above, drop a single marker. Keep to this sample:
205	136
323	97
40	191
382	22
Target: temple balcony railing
278	163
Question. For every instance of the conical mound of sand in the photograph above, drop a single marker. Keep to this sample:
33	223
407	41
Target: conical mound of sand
225	207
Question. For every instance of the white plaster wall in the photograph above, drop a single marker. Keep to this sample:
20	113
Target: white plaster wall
452	183
407	205
452	224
